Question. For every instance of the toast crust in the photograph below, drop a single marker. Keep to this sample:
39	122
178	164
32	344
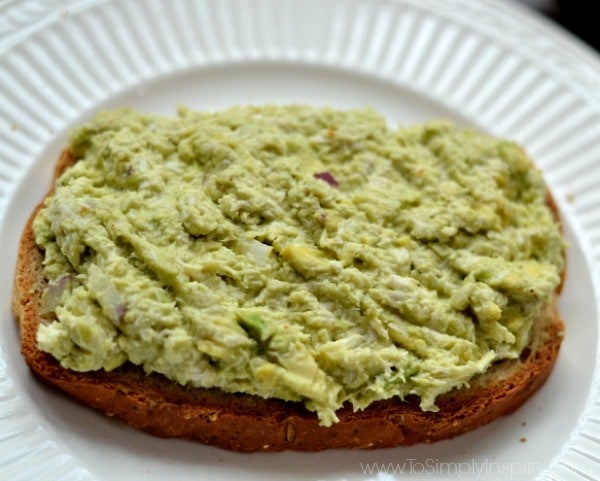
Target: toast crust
246	423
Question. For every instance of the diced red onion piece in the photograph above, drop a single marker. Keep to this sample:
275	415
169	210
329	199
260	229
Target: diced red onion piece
327	177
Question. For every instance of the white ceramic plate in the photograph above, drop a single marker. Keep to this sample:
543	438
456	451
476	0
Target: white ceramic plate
481	63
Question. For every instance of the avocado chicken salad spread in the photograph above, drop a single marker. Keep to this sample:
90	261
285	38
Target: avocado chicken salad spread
292	252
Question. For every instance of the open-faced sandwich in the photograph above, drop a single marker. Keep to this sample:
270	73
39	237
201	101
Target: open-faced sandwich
265	278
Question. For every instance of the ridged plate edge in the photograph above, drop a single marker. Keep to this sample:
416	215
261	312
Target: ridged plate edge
445	49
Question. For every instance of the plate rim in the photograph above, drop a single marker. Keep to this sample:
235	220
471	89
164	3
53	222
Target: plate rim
588	75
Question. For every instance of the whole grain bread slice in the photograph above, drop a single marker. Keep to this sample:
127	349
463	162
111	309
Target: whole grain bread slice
247	423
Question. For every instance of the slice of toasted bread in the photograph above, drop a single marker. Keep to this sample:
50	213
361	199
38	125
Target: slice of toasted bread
247	423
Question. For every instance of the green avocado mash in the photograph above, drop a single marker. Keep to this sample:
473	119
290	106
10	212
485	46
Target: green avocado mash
306	254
